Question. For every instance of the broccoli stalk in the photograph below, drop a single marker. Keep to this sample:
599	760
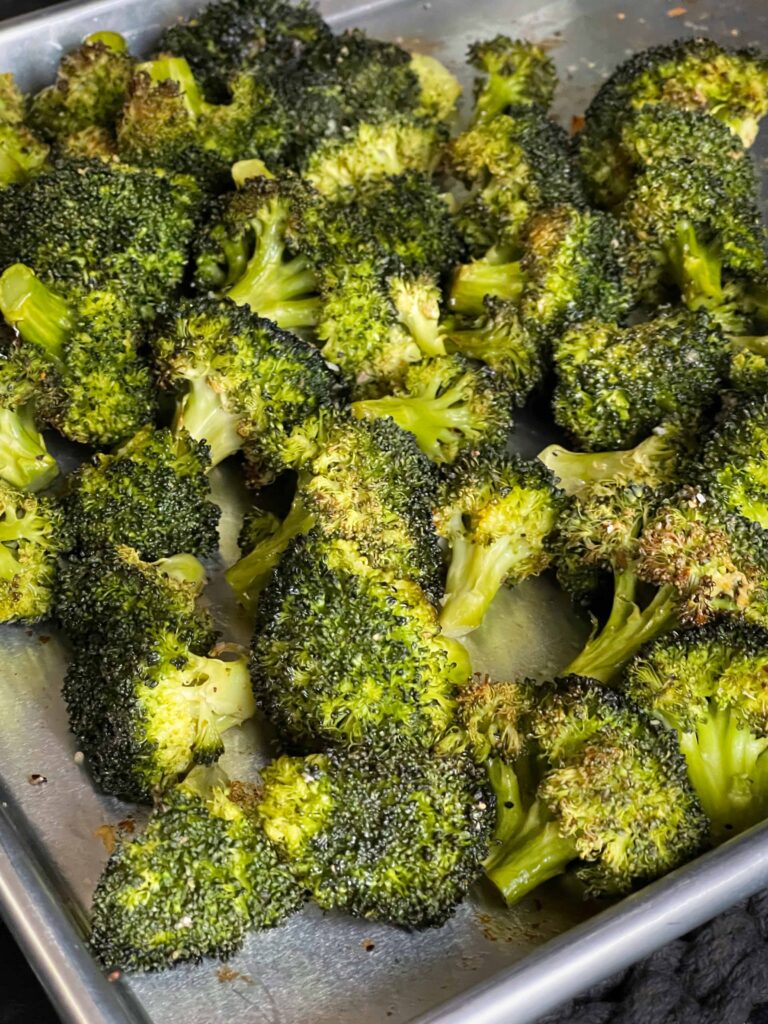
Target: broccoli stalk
24	459
38	314
474	281
531	857
202	413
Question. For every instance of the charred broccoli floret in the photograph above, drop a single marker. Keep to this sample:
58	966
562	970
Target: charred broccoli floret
709	686
243	383
194	883
342	649
152	494
393	836
690	74
496	513
82	357
22	153
517	72
32	536
89	91
449	405
616	384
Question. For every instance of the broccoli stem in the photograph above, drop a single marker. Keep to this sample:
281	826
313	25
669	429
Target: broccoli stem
38	314
202	414
418	309
698	269
24	459
651	461
722	759
755	344
177	70
111	40
224	694
9	564
510	812
474	281
184	568
475	575
535	856
249	576
627	629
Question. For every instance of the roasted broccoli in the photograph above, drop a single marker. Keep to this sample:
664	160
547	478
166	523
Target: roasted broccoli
33	534
709	686
450	406
732	463
397	835
516	73
22	153
496	513
152	494
194	883
244	383
341	649
616	384
24	459
690	74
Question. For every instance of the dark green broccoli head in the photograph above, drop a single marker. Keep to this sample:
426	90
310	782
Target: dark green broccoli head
152	494
616	384
90	224
515	165
733	460
394	836
518	73
33	534
450	405
690	74
90	88
496	513
110	592
145	710
709	686
244	383
342	649
194	883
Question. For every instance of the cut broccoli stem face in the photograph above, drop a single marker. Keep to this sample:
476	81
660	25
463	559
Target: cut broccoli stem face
472	282
202	414
40	316
24	459
249	576
724	764
627	629
176	69
184	568
538	854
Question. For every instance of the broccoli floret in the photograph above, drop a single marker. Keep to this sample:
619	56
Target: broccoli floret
439	89
609	791
22	153
496	513
691	74
252	252
245	384
110	592
732	463
449	405
516	165
90	224
493	277
341	649
89	379
616	384
152	494
24	459
32	536
708	685
233	35
518	73
701	561
368	484
90	88
396	836
167	123
194	883
147	708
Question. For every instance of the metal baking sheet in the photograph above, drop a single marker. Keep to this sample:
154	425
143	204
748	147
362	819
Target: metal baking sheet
487	965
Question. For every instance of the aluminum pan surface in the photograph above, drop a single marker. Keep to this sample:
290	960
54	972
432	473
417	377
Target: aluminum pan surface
317	967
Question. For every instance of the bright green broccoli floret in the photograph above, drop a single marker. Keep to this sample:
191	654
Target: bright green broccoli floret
496	513
243	383
691	75
439	89
90	88
197	880
342	649
518	73
606	790
32	536
616	384
449	405
22	153
394	836
516	165
368	484
152	494
709	686
82	357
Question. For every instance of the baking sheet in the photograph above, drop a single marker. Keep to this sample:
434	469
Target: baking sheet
325	968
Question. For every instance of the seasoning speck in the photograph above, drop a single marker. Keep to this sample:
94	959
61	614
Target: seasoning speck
368	945
676	12
36	780
78	757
